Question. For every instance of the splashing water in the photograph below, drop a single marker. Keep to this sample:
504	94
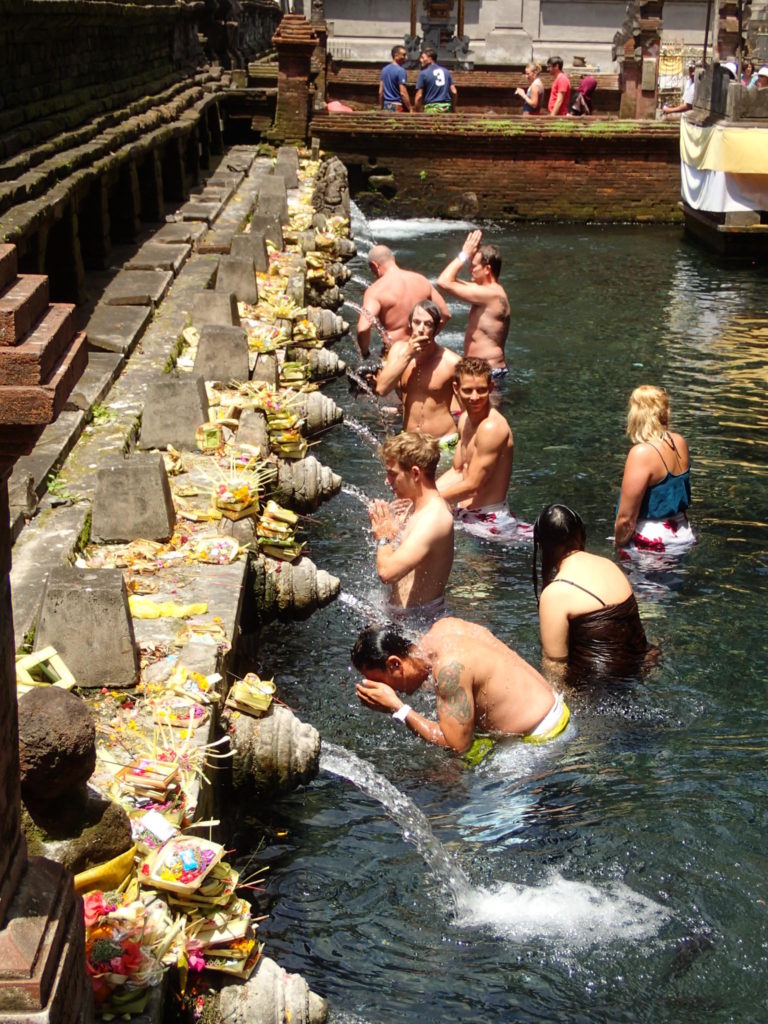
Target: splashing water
375	322
578	912
362	431
356	492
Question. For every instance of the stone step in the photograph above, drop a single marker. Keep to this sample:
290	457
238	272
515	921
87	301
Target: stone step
100	374
8	265
21	305
138	288
117	328
39	405
160	256
31	362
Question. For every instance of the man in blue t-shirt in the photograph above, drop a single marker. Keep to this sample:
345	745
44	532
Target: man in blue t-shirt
435	91
393	94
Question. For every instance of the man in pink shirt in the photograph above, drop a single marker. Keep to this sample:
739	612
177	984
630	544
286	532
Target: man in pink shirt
560	94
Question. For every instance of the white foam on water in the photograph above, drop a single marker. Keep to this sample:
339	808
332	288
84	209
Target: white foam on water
396	229
578	913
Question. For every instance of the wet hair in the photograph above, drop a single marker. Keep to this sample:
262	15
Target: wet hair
471	366
432	54
557	530
413	448
555	61
648	414
377	643
430	308
534	66
398	49
491	257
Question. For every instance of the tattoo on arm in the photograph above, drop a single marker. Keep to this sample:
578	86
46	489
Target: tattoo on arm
451	696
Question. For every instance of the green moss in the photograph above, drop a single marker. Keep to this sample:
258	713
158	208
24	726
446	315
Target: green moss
85	534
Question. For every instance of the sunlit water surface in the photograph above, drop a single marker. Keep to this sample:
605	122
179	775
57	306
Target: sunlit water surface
619	875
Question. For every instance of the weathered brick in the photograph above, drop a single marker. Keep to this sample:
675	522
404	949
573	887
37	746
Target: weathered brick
32	361
39	405
8	265
22	305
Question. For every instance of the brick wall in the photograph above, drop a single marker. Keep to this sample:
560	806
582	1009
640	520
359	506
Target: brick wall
511	169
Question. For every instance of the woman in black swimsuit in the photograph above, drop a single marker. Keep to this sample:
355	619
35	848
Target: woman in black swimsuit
590	625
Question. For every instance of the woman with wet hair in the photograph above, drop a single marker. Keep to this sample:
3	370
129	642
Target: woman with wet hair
656	488
590	625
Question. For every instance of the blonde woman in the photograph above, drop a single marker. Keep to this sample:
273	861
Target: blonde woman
533	96
656	487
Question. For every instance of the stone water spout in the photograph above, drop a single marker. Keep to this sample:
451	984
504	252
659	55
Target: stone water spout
327	323
323	363
318	411
274	754
271	996
290	590
303	485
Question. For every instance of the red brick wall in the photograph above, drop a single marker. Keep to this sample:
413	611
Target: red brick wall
511	169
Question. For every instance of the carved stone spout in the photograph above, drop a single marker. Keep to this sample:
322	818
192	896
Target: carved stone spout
290	590
323	363
317	410
327	323
274	754
271	996
305	484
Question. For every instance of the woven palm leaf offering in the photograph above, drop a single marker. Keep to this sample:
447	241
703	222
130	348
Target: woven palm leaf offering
276	532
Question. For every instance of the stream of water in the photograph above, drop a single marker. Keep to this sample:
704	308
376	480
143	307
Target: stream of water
618	875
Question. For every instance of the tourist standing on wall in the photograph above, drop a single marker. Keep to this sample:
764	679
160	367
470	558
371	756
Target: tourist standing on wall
533	96
435	91
560	93
393	92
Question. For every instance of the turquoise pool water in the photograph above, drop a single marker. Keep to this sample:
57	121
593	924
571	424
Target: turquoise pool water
620	876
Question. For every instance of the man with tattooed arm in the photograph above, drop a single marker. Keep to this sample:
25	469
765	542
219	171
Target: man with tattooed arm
480	684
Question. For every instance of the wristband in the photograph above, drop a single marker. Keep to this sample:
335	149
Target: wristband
402	712
462	257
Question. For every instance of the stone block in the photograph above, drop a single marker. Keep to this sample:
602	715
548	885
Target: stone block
251	245
222	353
33	359
160	256
133	501
173	410
266	369
21	305
210	307
138	288
84	614
287	165
273	204
270	225
33	406
57	742
179	232
197	210
237	276
253	430
117	328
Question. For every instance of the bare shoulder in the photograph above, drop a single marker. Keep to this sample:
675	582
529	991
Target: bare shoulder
494	429
450	358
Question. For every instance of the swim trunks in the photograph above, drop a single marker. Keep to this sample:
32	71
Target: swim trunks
394	108
493	522
438	108
448	442
665	536
552	724
499	372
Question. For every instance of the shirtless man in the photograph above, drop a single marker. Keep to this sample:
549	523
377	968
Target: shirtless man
488	323
422	372
479	681
414	535
478	481
391	298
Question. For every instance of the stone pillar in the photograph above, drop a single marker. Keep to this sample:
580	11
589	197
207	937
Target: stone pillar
320	63
729	33
636	47
295	41
42	935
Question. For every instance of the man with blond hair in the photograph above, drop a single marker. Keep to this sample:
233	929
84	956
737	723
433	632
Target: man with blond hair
414	534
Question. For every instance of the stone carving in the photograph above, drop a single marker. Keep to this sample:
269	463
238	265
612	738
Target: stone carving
305	484
271	996
290	590
317	410
327	324
274	754
323	363
331	194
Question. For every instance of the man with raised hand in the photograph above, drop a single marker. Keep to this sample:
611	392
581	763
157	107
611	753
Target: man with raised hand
391	298
488	323
414	534
480	684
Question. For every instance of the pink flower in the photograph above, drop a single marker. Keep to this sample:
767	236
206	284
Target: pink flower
94	907
196	962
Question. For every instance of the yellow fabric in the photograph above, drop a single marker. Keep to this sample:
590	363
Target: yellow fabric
554	731
721	147
145	608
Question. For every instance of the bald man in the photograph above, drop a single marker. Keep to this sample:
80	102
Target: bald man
391	298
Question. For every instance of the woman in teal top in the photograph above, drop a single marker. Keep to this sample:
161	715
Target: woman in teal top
656	488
